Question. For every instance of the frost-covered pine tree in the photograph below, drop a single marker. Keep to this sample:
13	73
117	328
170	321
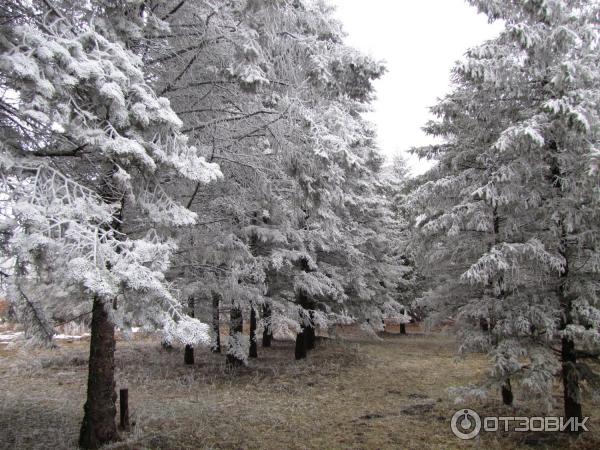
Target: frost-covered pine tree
457	225
280	112
85	144
534	92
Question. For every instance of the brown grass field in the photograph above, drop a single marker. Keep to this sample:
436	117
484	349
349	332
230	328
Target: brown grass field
351	394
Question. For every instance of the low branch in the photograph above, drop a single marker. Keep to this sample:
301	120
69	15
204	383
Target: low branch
36	315
73	319
587	355
238	163
191	200
73	152
173	11
229	119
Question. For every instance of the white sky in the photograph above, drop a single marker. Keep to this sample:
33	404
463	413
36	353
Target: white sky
420	40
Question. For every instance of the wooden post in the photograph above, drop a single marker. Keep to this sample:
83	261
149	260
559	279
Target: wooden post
124	409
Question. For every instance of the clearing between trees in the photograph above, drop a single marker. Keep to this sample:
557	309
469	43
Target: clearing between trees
175	165
354	393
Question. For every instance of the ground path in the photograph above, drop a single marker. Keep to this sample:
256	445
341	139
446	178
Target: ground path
362	394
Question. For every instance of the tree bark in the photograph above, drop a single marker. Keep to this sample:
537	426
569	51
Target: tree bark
309	333
487	324
483	324
188	356
216	348
253	353
507	394
268	330
304	339
570	379
570	374
300	351
236	326
98	426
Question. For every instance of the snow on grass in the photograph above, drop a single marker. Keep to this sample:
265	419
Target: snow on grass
11	336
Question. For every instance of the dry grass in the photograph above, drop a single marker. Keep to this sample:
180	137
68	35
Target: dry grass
357	394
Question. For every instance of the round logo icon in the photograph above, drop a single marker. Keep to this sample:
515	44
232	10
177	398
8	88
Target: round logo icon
465	424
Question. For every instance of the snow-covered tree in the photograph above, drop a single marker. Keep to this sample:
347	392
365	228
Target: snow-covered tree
277	103
523	128
86	143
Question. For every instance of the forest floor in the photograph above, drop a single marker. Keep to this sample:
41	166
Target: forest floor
357	393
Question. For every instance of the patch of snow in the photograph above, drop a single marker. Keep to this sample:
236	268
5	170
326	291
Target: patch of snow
13	336
9	337
71	336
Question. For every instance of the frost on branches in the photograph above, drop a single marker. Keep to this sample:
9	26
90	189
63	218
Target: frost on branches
302	206
510	215
86	142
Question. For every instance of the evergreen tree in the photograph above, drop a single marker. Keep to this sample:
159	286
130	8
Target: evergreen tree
84	136
520	171
280	111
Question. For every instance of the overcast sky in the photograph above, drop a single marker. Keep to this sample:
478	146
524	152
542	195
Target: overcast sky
420	40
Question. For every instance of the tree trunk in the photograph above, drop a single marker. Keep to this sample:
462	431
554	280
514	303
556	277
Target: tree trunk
188	356
253	353
483	324
304	339
309	333
402	328
570	379
570	374
300	351
98	426
310	337
216	320
497	292
507	394
268	330
236	327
